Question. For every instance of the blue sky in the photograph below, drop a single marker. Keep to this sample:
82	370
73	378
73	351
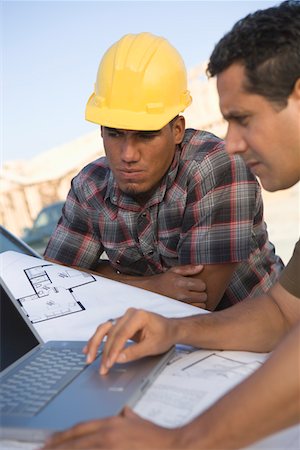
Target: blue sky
51	51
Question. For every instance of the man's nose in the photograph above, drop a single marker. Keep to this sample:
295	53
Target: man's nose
234	141
129	152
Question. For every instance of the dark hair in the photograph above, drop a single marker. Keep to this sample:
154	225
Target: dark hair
267	44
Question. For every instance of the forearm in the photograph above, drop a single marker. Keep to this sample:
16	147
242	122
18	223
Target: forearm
266	402
180	283
252	325
144	282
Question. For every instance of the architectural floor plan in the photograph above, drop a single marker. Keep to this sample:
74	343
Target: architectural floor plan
53	291
192	381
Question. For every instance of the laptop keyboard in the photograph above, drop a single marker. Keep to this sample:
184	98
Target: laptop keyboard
27	391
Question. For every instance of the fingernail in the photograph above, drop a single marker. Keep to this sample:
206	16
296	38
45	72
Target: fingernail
88	359
102	370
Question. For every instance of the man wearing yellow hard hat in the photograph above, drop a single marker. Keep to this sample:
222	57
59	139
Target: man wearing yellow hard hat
172	211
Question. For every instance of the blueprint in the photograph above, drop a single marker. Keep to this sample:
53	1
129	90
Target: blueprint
64	303
52	291
193	380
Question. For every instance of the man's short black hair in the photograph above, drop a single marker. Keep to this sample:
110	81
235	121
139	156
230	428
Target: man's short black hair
267	44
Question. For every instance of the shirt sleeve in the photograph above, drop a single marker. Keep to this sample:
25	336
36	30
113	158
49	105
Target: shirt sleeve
223	220
74	241
289	278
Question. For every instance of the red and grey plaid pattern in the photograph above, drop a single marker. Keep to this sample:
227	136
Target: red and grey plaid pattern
207	210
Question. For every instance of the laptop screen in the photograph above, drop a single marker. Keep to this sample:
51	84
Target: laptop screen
16	337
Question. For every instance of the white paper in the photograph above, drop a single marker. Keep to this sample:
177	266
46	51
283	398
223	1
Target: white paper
17	445
68	304
192	382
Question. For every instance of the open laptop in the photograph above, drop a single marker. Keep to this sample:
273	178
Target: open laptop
87	394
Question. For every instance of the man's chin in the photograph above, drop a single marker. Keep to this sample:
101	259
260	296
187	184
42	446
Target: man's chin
274	185
131	191
137	193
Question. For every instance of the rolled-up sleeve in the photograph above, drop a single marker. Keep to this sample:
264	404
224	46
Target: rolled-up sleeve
74	241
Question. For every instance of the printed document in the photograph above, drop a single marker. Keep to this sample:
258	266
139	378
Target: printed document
68	304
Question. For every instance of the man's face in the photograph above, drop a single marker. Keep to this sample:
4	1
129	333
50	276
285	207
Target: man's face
140	159
267	137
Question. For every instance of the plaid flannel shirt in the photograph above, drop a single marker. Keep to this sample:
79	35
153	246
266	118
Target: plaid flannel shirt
207	210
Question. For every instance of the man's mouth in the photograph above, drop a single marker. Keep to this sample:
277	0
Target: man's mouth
252	164
131	173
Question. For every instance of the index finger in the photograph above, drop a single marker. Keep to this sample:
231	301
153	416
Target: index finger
125	328
131	326
76	431
94	342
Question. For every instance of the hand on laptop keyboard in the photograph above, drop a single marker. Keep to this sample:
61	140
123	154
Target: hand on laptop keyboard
152	333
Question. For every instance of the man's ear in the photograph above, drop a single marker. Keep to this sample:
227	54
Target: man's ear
179	129
296	90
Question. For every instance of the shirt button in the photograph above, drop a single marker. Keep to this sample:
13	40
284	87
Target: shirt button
150	253
118	261
144	214
114	198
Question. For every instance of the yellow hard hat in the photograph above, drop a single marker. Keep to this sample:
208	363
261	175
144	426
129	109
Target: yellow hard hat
141	84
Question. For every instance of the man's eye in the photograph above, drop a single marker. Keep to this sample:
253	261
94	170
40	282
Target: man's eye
113	134
243	120
147	136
